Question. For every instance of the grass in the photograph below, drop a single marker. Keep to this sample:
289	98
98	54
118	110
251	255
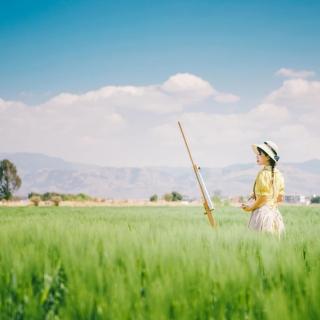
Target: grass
156	263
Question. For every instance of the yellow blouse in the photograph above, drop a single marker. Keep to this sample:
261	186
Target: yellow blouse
264	186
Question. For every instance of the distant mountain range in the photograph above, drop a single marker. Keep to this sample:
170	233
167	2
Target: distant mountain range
41	173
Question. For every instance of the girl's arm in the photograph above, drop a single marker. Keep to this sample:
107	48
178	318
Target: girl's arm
280	198
260	201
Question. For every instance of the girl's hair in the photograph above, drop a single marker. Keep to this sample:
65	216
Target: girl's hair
271	161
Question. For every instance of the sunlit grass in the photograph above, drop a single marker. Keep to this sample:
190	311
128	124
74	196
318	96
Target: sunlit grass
156	263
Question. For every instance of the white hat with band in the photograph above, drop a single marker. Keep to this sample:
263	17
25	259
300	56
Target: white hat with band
269	147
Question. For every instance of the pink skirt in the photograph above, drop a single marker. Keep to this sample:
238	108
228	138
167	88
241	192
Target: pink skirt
267	219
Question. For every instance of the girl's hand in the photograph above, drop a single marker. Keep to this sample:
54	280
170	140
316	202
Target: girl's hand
245	207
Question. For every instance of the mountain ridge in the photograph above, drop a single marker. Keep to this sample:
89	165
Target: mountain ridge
42	173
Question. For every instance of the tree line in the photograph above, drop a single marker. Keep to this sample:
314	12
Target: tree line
56	198
172	196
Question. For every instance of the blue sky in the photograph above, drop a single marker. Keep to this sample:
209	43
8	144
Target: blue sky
86	80
53	46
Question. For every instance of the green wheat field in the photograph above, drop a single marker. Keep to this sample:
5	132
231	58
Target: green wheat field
156	263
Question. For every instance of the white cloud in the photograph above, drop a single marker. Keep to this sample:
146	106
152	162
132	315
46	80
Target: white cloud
289	116
196	88
290	73
299	94
109	125
6	105
175	94
137	126
268	114
188	83
226	97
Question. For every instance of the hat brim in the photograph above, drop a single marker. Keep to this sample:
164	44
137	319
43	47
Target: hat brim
265	148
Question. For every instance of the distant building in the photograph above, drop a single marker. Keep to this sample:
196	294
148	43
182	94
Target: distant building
297	199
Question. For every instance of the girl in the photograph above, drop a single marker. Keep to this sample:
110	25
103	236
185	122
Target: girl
268	191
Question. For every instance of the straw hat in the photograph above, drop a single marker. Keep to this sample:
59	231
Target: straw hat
269	147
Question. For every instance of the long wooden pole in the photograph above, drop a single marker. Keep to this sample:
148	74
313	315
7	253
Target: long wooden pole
207	204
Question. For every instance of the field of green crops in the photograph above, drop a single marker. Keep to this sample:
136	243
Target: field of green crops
156	263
